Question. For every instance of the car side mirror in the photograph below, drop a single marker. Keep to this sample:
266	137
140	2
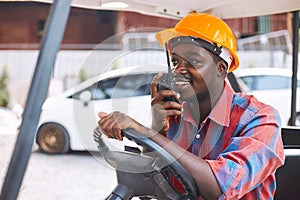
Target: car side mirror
85	96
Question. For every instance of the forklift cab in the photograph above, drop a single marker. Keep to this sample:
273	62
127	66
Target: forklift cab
288	176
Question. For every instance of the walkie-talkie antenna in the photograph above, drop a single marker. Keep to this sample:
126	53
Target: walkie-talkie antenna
168	59
170	74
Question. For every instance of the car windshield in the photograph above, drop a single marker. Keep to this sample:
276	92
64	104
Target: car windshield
126	86
267	82
119	87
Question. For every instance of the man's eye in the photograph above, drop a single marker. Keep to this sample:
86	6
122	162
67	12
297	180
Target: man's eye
174	62
194	61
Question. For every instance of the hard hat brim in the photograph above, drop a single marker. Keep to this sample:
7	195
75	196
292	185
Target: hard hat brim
167	34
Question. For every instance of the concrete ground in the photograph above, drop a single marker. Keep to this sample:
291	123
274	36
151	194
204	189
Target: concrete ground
73	176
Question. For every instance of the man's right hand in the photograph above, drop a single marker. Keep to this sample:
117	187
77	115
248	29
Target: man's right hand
162	110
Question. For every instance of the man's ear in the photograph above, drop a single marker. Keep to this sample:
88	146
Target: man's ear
222	68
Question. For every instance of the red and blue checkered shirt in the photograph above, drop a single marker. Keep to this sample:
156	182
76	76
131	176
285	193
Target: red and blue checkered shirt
241	141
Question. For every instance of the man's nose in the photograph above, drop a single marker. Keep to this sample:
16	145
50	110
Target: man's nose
181	66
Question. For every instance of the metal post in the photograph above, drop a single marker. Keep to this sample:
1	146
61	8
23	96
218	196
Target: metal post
295	66
50	44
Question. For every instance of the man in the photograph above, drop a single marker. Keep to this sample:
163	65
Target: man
230	143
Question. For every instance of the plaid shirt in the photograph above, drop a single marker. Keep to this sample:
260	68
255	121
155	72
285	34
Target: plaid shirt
240	140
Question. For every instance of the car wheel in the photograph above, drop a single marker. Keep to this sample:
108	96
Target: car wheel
297	121
53	138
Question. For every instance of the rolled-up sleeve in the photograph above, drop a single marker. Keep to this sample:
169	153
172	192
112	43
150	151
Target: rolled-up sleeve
251	158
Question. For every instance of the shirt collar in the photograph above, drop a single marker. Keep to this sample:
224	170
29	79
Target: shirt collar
221	111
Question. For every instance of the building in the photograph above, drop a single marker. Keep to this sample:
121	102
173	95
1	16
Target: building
22	25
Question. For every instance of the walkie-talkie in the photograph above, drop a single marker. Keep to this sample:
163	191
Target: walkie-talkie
166	82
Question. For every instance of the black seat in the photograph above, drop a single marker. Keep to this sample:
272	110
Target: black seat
288	176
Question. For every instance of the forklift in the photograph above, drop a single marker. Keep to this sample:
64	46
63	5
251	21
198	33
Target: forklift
146	176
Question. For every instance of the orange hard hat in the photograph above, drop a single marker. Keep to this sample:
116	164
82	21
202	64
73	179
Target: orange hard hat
206	27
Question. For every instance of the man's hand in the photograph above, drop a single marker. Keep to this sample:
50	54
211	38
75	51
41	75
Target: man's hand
162	110
112	124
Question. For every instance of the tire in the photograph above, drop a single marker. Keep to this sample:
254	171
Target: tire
53	138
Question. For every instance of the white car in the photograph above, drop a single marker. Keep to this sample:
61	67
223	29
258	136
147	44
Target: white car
272	86
68	120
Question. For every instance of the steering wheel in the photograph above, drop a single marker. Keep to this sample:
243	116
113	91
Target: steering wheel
144	175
